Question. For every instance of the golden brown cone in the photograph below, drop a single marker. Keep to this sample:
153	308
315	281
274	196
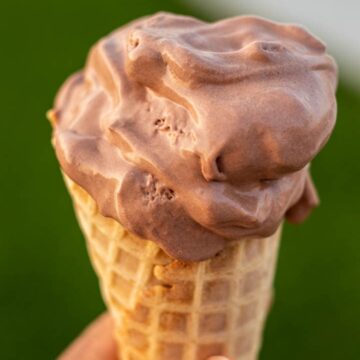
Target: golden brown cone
167	309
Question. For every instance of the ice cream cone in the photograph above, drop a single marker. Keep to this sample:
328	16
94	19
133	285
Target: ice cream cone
167	309
197	137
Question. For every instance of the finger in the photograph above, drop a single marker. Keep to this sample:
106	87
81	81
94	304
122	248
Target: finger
218	358
95	343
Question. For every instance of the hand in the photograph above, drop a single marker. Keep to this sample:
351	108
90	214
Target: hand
97	343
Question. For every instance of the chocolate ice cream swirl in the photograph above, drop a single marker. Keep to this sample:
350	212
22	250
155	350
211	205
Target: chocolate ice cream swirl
192	134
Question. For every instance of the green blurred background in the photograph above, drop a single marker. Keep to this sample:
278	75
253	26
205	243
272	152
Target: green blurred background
48	291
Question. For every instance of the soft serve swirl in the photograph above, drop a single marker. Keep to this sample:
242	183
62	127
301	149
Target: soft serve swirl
192	133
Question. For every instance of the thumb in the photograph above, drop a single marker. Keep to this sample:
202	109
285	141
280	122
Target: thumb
95	343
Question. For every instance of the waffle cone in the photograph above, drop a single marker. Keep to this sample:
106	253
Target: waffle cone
165	309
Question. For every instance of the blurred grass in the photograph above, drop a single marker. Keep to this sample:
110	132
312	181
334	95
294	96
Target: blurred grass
48	290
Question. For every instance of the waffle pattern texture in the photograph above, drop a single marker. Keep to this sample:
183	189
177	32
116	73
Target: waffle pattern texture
165	309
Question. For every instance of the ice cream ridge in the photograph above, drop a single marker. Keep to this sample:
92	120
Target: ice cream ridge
193	134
